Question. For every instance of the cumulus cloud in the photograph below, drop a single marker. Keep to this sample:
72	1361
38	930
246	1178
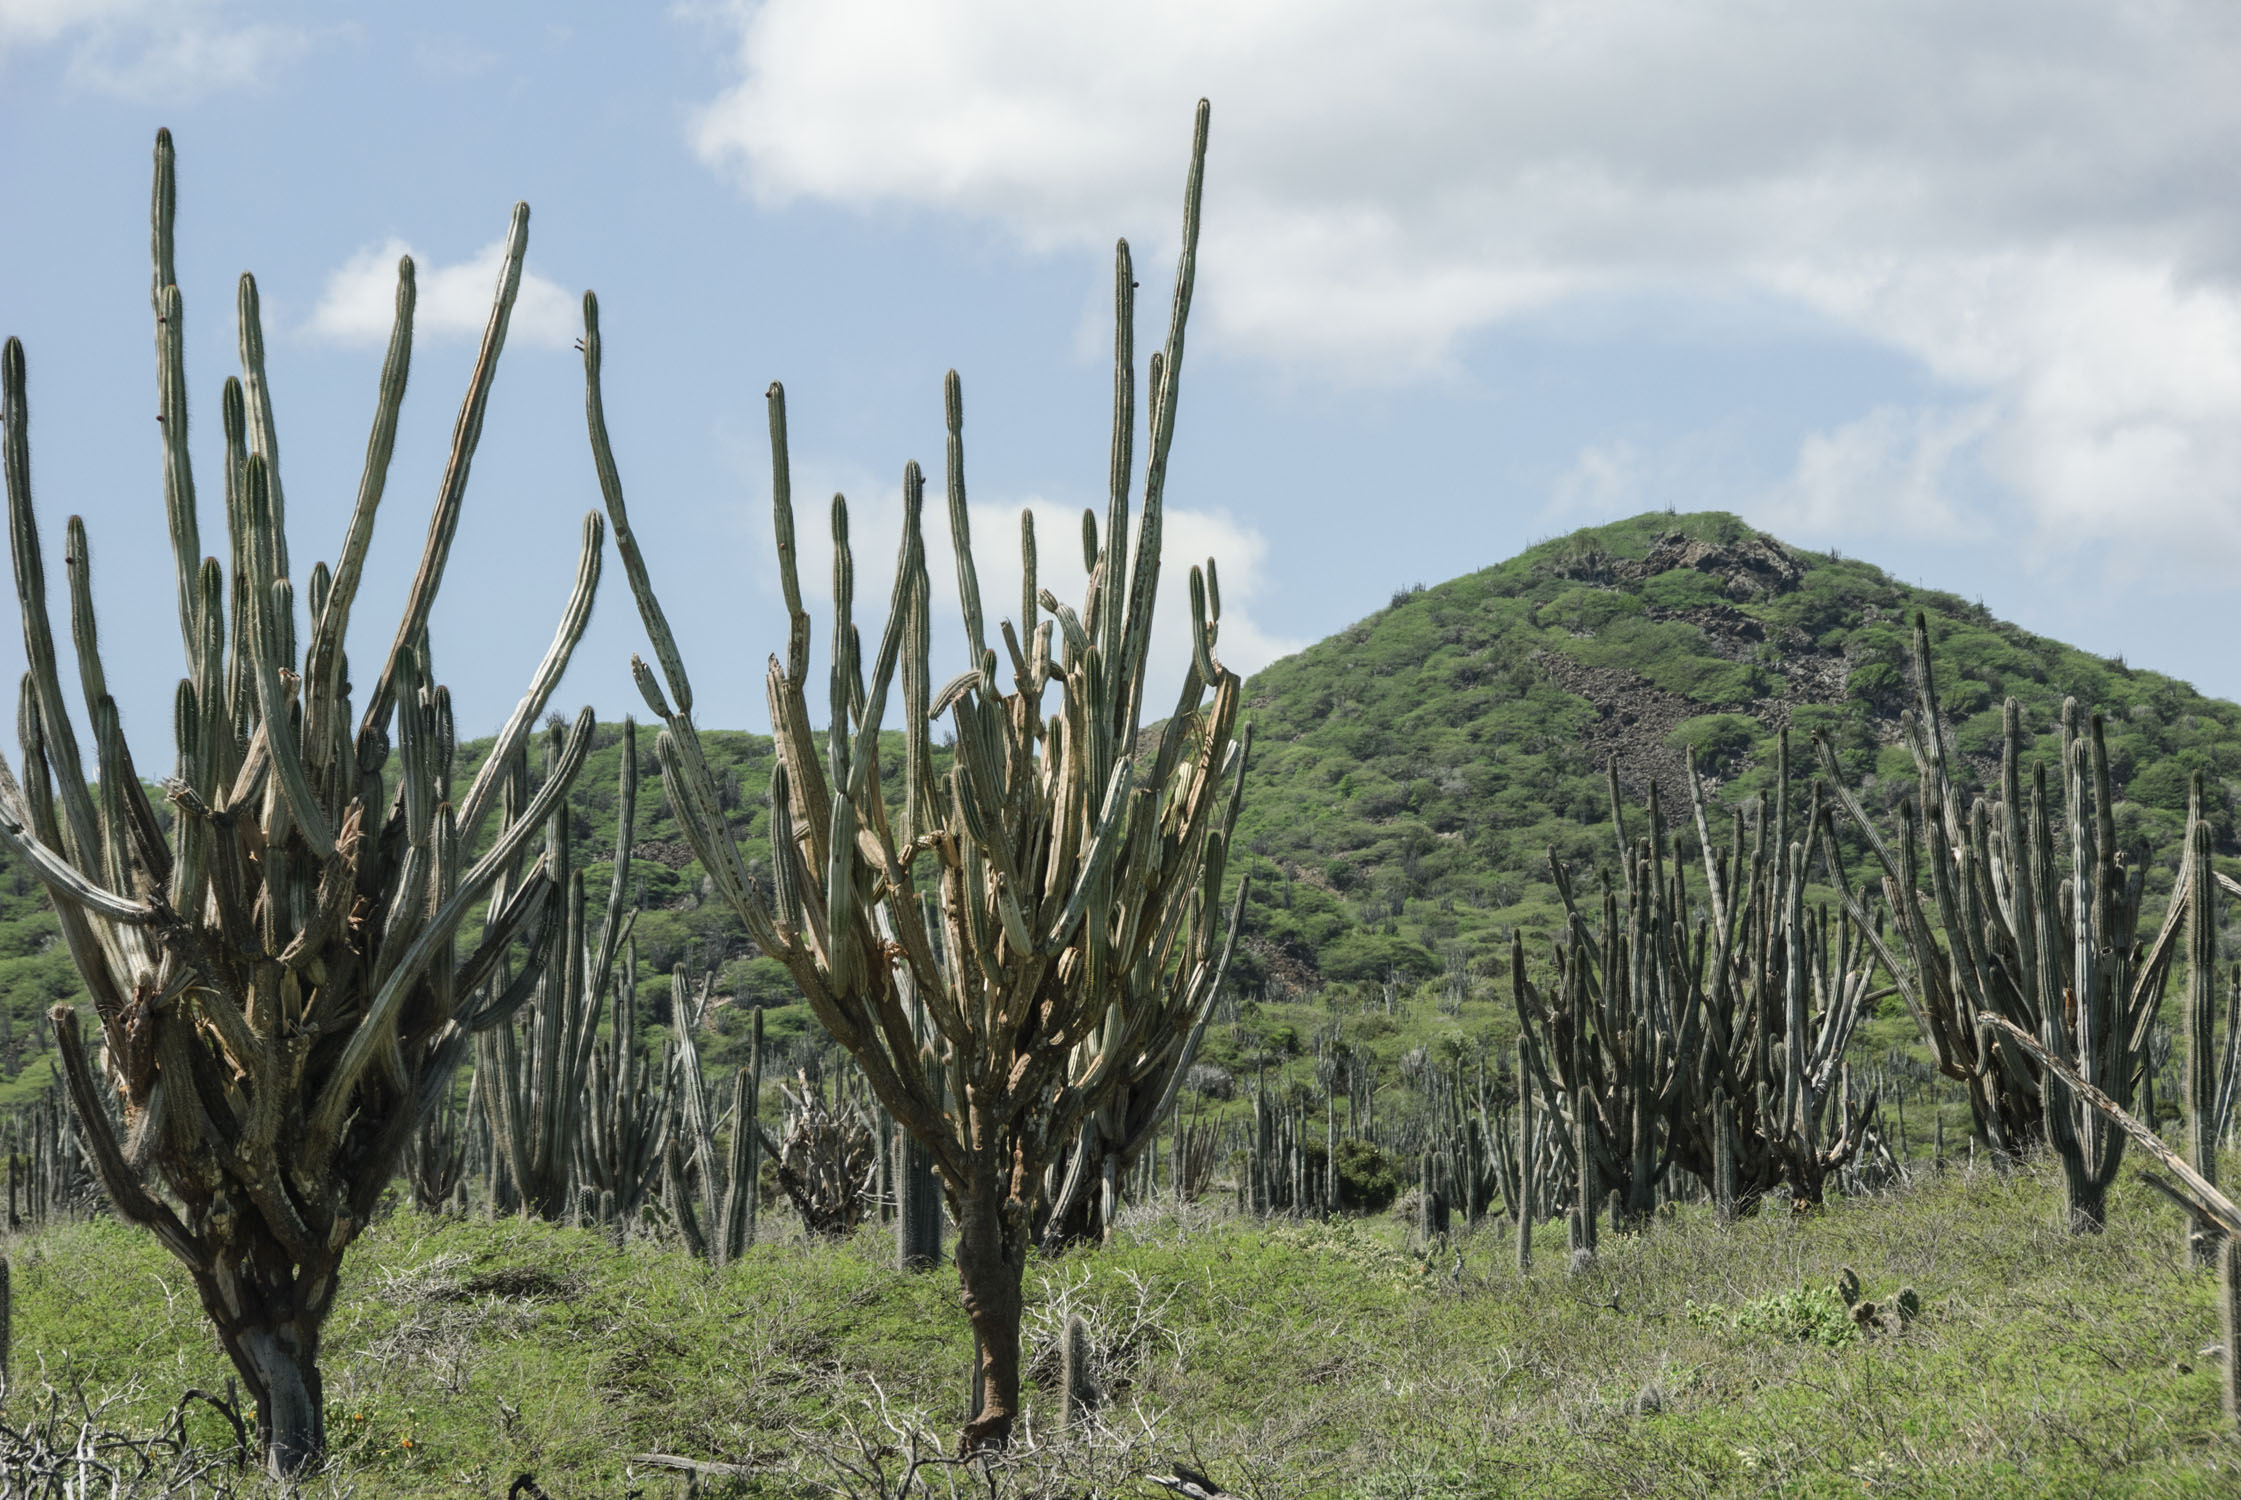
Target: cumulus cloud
1894	468
452	301
139	49
2033	198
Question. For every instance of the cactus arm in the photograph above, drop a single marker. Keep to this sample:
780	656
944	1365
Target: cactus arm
782	519
574	618
451	494
324	662
83	838
325	1120
865	757
1109	596
63	879
960	517
626	540
280	735
1165	382
613	934
117	1177
525	910
1198	1009
263	436
178	469
2210	1202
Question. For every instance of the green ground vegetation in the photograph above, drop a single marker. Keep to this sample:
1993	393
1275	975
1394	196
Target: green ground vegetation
1286	1359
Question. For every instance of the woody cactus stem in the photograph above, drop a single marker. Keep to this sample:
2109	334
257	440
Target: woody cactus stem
2203	1125
918	1208
2047	944
1074	885
627	1109
727	1178
537	1074
274	979
1713	1043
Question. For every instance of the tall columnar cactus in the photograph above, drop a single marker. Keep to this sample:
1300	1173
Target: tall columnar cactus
2192	1191
436	1157
536	1075
1073	876
2211	1066
918	1207
628	1109
2038	933
275	980
1714	1043
727	1178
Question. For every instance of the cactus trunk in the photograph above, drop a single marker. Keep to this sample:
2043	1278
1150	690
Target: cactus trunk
992	1245
1041	933
275	974
2229	1322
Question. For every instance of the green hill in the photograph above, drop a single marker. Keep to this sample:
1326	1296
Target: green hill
1411	772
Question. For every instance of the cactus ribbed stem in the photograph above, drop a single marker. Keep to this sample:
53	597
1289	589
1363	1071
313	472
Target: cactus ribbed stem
283	889
1050	1007
2229	1322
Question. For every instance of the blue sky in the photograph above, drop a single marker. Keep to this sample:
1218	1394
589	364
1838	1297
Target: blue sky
1955	291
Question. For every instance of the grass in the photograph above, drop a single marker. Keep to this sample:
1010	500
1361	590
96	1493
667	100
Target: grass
1285	1359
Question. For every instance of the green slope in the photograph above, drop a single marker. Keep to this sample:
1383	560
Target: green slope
1413	771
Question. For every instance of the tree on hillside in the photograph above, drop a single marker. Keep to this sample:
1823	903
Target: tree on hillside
1044	919
275	979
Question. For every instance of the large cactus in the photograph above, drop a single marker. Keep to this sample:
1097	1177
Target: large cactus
627	1113
2049	944
1064	867
275	980
2213	1067
1714	1043
536	1076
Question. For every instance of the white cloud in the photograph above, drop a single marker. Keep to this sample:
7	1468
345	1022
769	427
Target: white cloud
2033	198
143	50
1605	481
1891	473
452	301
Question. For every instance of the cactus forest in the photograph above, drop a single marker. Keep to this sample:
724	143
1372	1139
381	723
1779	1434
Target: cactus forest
1669	1013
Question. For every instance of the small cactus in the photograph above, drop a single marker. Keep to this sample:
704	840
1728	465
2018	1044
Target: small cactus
1077	1388
1848	1286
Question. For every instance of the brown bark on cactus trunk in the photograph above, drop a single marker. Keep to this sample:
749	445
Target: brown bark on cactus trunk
1049	912
269	1314
991	1265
